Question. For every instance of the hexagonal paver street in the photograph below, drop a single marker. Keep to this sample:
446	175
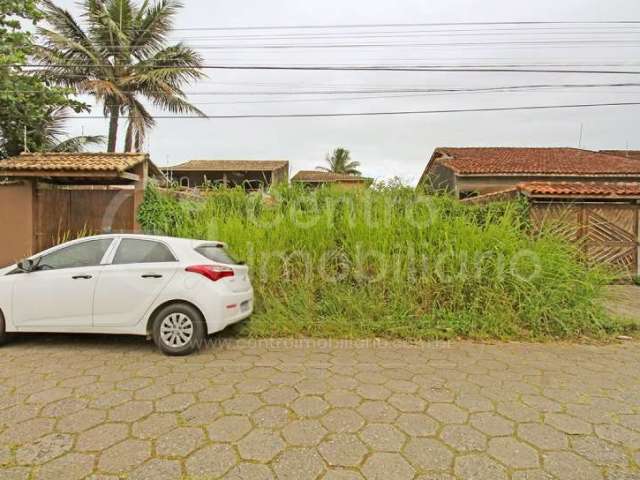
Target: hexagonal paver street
94	407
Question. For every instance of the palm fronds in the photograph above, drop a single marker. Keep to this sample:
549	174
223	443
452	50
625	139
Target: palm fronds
77	144
121	58
339	161
52	134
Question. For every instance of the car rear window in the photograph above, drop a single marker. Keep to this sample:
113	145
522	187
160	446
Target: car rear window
217	253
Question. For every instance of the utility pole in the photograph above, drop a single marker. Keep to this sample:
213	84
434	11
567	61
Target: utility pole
26	147
580	138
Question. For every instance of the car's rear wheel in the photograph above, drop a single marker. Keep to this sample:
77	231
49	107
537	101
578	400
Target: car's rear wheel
178	329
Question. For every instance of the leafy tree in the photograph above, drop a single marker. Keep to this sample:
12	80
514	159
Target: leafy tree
120	57
339	161
25	100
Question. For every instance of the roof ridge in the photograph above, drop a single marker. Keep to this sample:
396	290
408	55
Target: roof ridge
518	148
579	182
329	173
545	161
234	160
81	154
595	189
310	175
229	165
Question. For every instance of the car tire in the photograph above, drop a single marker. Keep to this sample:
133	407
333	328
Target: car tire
4	336
178	329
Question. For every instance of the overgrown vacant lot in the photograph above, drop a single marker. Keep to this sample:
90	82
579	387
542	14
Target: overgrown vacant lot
392	263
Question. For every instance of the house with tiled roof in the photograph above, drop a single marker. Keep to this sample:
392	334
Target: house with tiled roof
476	171
316	178
590	197
53	196
249	174
110	167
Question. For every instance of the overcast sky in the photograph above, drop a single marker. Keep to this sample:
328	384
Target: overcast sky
390	146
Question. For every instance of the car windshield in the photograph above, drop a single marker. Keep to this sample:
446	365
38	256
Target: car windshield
217	253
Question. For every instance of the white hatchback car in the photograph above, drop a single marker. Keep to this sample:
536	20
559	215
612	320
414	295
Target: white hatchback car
175	290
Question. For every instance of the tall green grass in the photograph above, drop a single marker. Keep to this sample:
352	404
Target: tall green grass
390	262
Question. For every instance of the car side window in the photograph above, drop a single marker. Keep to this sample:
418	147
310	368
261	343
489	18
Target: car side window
86	254
142	251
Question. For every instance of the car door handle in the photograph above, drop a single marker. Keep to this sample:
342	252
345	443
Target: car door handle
82	277
151	275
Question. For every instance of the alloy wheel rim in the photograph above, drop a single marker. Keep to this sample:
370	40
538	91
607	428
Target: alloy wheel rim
176	330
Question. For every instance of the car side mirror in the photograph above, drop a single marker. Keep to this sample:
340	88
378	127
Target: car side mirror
27	265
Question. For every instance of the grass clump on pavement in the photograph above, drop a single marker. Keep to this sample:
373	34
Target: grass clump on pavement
391	262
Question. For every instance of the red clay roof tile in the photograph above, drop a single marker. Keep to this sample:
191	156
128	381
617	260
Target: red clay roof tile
535	161
606	189
73	162
633	154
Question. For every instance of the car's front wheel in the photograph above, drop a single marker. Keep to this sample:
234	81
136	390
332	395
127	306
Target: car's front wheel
3	332
178	329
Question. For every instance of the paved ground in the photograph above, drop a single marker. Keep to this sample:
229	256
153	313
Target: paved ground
624	300
105	407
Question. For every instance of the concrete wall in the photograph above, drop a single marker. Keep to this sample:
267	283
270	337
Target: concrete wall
441	178
16	222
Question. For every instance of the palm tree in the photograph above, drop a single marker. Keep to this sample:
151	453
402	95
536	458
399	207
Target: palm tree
119	58
52	135
340	162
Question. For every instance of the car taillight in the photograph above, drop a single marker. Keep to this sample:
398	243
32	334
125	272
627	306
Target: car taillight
212	272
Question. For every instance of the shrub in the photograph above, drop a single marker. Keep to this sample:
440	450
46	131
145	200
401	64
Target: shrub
394	263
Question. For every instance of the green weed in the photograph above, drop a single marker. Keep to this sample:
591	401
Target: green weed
392	262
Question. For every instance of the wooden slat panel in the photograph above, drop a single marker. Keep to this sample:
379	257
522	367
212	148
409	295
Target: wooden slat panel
608	232
52	220
615	223
612	236
560	218
102	211
65	214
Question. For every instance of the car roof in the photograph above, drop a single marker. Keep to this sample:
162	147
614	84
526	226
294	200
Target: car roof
143	236
175	242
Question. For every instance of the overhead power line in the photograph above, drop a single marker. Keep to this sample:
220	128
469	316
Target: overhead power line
408	25
507	88
509	43
341	99
372	114
409	34
368	68
369	91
